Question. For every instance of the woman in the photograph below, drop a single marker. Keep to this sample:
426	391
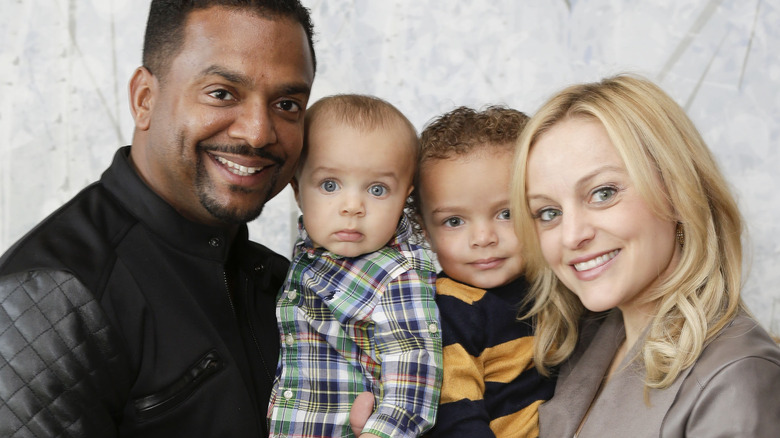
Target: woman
632	242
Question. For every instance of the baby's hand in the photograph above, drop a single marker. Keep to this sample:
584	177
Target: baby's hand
362	408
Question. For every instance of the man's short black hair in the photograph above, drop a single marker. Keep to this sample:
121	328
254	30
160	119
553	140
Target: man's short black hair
165	26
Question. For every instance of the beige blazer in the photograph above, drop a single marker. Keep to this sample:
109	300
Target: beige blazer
733	390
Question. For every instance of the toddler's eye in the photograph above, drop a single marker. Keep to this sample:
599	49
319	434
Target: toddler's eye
329	186
377	190
504	215
453	222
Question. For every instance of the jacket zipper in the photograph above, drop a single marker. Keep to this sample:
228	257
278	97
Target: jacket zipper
254	338
248	320
227	290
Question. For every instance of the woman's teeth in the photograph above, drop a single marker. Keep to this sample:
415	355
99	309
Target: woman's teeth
598	261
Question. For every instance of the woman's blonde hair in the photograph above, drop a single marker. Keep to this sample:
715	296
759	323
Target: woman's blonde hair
655	138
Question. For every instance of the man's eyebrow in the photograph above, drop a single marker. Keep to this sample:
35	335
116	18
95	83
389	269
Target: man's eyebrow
243	80
302	88
228	75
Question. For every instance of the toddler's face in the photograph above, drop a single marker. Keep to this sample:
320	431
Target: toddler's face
465	212
353	186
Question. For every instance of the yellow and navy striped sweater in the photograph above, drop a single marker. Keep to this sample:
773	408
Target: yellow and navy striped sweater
491	387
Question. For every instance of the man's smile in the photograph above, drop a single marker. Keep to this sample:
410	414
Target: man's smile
238	169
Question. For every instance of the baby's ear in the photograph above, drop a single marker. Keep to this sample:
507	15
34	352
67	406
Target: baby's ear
294	185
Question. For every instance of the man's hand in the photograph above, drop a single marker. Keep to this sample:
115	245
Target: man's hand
362	408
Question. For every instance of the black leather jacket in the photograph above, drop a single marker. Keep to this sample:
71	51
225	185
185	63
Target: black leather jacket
118	317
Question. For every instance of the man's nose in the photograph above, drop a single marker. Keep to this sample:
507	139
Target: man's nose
254	124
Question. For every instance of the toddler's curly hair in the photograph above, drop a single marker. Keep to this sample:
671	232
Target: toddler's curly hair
459	132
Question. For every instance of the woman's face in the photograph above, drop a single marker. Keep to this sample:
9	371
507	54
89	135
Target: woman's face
596	232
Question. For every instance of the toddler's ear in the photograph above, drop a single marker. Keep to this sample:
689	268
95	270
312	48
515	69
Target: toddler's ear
419	220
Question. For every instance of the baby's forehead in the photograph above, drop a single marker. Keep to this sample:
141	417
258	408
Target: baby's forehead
380	150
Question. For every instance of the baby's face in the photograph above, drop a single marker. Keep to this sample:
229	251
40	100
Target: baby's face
465	212
353	186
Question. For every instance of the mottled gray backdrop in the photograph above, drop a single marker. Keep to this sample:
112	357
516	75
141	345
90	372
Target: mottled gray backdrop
64	67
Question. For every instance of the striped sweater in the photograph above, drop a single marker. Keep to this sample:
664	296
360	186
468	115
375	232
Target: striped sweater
491	387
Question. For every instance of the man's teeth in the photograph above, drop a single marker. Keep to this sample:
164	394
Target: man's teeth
237	168
598	261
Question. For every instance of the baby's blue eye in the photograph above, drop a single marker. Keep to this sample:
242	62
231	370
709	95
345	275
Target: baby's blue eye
329	186
504	215
377	190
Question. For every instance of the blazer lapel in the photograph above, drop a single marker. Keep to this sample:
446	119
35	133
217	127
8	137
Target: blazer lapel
580	378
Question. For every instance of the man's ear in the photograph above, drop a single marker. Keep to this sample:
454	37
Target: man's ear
143	89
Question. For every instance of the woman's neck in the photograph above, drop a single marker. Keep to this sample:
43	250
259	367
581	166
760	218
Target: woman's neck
635	320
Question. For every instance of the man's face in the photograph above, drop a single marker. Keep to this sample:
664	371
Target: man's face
225	124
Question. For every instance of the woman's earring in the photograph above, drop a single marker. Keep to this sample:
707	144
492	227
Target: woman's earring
680	235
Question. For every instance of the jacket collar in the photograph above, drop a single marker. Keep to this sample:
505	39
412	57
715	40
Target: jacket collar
123	182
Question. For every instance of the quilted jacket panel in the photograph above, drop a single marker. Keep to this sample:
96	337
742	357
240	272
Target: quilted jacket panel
49	318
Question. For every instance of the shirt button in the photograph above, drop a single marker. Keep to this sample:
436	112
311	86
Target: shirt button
433	328
291	295
288	394
215	242
289	339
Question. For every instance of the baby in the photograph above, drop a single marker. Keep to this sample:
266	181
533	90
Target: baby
357	312
461	205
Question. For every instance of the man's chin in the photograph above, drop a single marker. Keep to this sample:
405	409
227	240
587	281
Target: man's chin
230	214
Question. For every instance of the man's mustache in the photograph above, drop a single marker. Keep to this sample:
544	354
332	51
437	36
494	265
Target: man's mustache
244	150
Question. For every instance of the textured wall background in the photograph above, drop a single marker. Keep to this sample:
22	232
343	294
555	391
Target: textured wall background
64	67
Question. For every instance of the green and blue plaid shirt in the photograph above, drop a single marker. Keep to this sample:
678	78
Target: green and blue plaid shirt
348	325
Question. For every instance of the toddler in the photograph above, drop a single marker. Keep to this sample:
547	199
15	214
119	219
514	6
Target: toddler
461	205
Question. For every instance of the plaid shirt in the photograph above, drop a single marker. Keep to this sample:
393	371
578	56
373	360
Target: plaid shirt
348	325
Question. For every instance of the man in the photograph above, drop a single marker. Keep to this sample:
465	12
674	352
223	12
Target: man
140	308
